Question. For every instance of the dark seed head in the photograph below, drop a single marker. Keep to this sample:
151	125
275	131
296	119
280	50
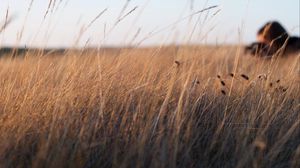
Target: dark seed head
198	82
262	76
219	76
271	84
245	77
231	74
223	92
283	89
278	81
177	63
223	83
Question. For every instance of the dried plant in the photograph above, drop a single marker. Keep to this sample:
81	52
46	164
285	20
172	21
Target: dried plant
146	107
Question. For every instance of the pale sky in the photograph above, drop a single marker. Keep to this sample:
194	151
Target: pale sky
157	21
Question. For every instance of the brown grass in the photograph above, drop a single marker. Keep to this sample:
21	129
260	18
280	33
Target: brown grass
155	107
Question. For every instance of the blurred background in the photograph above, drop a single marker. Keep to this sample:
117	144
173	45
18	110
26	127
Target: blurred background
77	23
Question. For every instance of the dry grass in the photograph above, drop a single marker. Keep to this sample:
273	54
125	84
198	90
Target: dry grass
156	107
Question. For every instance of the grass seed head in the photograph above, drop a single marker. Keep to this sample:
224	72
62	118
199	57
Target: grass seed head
271	84
262	76
245	77
177	63
223	83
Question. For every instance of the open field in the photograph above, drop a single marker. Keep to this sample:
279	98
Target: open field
152	107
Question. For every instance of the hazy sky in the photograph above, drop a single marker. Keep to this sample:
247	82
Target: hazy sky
153	22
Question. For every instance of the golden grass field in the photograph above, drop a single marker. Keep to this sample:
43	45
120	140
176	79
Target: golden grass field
187	106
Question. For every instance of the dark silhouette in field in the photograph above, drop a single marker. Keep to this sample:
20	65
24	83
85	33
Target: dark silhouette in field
21	51
273	39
